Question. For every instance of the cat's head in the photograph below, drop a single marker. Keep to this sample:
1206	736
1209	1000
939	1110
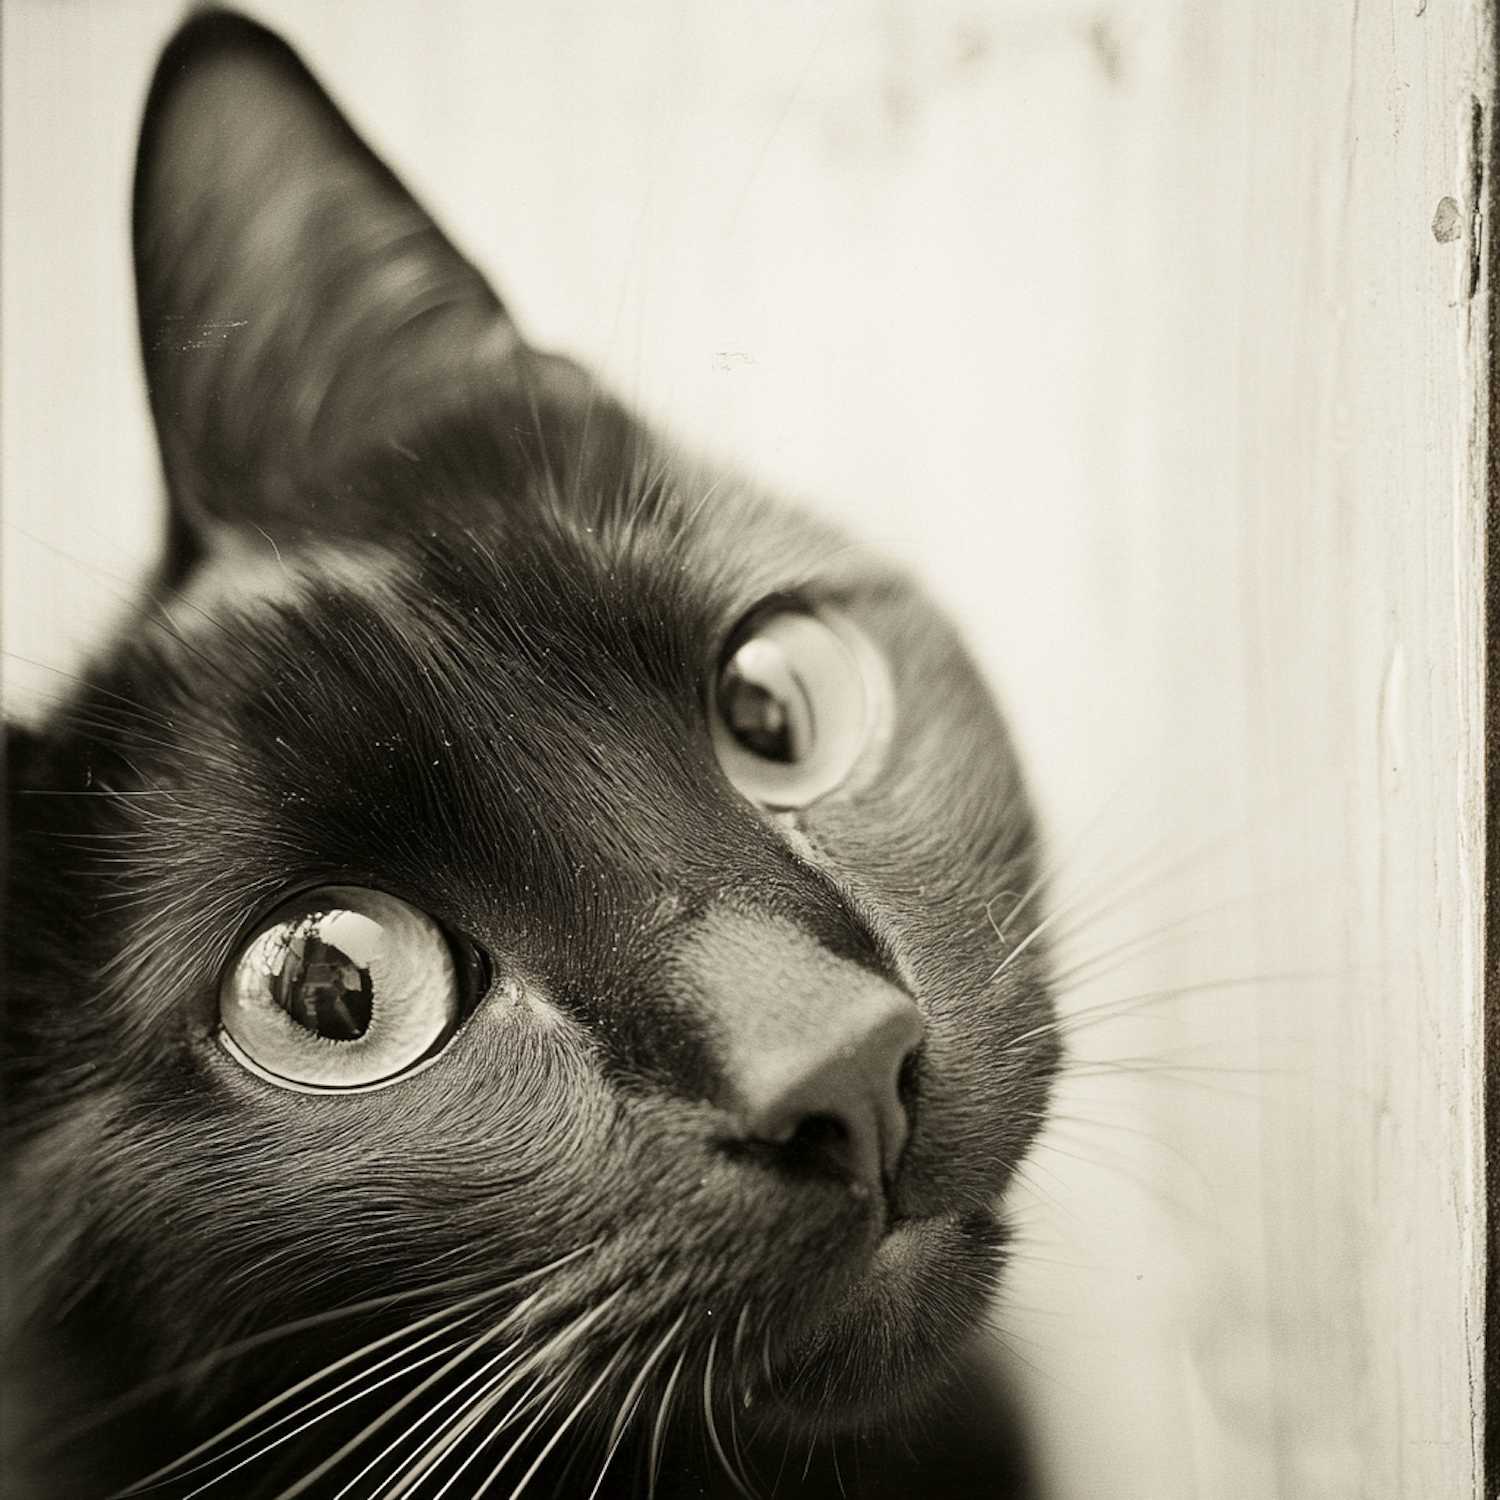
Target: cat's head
517	884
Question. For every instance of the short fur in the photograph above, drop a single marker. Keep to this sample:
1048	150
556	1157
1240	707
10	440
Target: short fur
439	618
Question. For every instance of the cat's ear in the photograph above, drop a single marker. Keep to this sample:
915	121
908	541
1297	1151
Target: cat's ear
298	308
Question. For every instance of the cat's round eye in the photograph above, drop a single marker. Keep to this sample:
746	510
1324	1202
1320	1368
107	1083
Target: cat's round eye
344	988
799	700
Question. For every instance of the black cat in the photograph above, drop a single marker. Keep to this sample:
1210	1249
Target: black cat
520	967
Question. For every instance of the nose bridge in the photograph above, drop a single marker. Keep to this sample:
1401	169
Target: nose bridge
809	1044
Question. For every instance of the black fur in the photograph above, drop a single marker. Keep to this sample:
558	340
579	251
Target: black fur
440	619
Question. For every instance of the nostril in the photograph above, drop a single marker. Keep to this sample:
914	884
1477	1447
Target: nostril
820	1136
819	1145
906	1077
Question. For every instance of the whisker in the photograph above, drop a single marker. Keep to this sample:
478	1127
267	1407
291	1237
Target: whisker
470	1305
579	1407
1012	954
446	1316
739	1335
712	1426
632	1400
1059	861
212	1446
428	1415
266	1448
492	1398
786	1453
390	1413
663	1408
559	1344
1019	904
1093	965
833	1453
208	1362
553	1388
498	1391
1133	1005
686	523
1211	1079
735	1367
1108	1157
329	1463
1085	909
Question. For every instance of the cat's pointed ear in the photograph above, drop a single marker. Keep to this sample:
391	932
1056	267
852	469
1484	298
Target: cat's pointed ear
298	308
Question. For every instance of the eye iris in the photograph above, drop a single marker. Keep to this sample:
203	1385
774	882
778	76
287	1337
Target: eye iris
320	986
345	988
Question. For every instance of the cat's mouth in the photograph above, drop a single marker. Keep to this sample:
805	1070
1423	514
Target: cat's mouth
897	1332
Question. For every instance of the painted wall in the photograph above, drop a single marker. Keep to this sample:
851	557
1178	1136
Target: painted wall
1142	330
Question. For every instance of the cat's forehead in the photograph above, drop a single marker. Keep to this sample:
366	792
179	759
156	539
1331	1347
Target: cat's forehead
486	703
245	574
697	555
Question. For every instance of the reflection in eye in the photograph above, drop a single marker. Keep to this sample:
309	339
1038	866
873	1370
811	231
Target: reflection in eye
317	969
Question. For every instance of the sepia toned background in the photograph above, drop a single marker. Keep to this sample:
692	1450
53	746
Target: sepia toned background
1152	334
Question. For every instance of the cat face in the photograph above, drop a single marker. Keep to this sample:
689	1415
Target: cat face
525	924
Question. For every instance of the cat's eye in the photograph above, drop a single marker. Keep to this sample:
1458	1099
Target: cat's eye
344	988
800	701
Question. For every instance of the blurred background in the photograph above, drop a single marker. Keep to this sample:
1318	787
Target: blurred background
1151	334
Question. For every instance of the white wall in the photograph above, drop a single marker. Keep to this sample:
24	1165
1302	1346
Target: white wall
1127	325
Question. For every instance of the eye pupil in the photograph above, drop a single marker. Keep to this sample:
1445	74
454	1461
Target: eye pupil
764	703
757	718
322	988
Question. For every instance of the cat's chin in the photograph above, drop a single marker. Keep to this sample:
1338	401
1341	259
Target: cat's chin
899	1334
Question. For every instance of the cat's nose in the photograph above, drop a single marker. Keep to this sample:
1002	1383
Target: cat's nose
811	1046
834	1097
